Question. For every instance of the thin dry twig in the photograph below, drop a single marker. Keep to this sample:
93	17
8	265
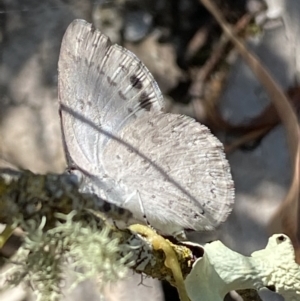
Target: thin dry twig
203	73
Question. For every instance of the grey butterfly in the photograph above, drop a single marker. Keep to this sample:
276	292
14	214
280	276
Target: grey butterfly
165	167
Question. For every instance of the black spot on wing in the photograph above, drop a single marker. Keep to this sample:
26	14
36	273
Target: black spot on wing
99	70
79	39
145	101
136	82
72	56
88	63
130	111
81	103
122	95
111	82
93	28
124	68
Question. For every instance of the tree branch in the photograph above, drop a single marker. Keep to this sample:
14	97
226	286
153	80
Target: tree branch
46	197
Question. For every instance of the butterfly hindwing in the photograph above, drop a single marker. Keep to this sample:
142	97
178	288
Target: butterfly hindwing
177	166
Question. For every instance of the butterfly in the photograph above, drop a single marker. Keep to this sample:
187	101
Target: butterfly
162	166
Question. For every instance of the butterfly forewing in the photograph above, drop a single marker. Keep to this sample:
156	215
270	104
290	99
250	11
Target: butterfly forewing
102	87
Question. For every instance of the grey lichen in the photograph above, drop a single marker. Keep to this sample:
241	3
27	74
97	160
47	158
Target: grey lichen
42	258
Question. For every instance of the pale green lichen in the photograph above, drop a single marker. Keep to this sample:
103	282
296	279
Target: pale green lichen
42	258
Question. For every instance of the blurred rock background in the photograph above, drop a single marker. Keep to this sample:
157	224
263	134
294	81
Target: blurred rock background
175	39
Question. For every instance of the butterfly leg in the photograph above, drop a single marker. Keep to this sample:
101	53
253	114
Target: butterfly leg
142	208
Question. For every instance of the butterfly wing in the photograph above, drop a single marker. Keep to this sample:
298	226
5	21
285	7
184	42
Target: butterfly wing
178	168
102	87
165	166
